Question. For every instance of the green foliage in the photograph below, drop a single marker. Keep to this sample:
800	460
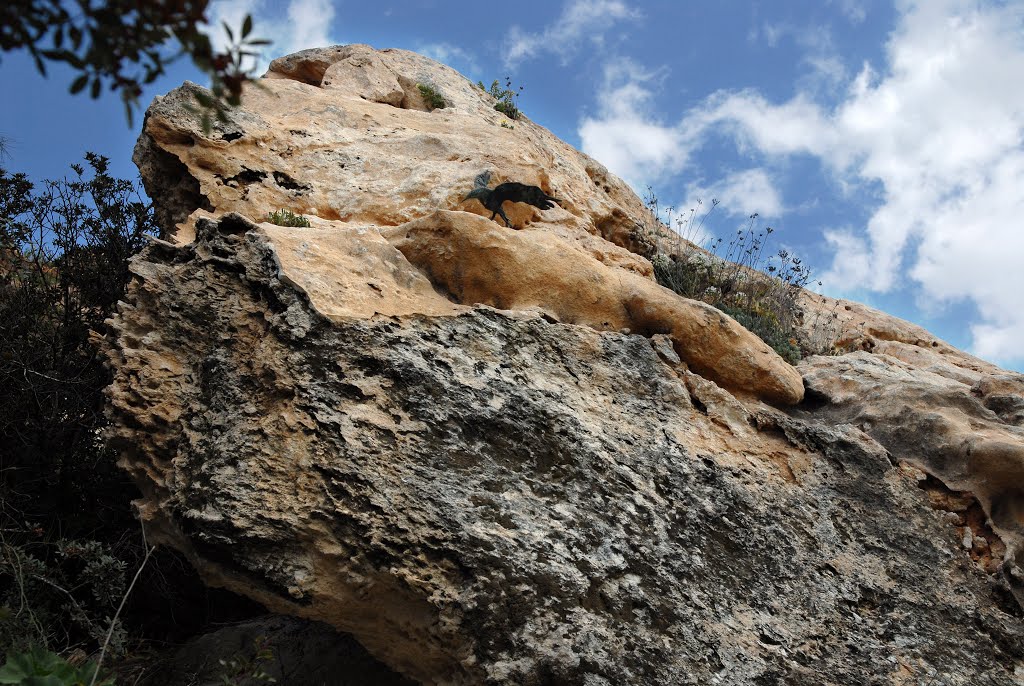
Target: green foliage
432	97
69	587
247	669
63	267
767	328
287	218
507	97
40	667
122	45
757	291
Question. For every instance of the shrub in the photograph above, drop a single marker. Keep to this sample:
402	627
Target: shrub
38	666
287	218
506	97
432	97
63	267
759	292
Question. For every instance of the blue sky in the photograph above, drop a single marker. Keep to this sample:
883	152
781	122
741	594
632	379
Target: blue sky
883	141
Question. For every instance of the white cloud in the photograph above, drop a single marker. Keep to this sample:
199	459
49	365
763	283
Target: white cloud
743	193
581	20
624	135
304	24
232	13
446	53
309	24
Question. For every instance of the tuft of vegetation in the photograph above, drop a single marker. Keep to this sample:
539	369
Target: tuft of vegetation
287	218
507	98
758	289
63	267
39	666
433	98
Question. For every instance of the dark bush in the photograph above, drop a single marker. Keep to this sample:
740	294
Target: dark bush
64	506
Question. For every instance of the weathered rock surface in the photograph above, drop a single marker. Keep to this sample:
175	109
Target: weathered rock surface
337	134
508	457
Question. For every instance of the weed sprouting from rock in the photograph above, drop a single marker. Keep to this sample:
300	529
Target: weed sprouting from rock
287	218
507	97
433	98
760	290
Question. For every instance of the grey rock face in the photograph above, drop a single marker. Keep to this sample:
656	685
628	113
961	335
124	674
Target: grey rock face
494	498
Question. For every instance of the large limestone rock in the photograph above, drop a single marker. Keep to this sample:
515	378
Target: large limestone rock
342	134
509	457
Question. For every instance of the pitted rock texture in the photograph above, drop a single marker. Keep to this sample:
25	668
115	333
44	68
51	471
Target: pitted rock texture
341	134
486	497
505	455
939	424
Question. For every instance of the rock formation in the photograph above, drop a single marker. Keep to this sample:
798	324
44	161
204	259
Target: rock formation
510	457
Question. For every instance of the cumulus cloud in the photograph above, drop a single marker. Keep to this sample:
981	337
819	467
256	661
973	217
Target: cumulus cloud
304	24
936	133
309	24
230	12
624	135
446	53
748	192
580	21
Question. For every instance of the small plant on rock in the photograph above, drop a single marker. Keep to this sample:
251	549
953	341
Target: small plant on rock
760	292
507	97
432	97
287	218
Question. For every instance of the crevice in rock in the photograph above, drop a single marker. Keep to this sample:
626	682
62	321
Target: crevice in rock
813	399
244	177
287	182
412	98
176	194
984	546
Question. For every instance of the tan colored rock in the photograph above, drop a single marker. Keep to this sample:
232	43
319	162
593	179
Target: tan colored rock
843	325
487	497
477	261
330	134
506	456
936	423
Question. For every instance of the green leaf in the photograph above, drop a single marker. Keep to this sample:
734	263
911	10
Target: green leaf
247	25
79	83
227	30
259	41
96	86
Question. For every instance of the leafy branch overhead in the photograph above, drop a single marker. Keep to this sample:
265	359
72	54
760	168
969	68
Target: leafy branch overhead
123	45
